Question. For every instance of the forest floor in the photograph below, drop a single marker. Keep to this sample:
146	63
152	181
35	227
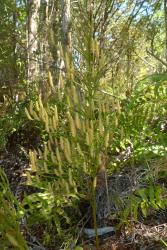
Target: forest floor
141	237
148	233
144	233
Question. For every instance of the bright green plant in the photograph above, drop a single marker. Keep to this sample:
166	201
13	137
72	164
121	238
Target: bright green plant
83	128
151	197
97	111
144	200
10	215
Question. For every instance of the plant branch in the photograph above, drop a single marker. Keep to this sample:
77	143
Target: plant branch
157	57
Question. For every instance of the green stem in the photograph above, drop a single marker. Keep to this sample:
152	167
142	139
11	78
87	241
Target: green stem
94	208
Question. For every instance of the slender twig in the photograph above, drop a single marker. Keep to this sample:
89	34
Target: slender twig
145	61
157	57
37	247
94	207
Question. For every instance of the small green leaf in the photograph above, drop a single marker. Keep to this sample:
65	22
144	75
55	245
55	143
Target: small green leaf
122	145
151	194
144	207
161	204
142	192
78	248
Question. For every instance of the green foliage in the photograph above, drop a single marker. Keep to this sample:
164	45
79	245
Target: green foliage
155	79
98	116
10	122
83	127
12	45
146	200
81	132
14	117
50	207
10	215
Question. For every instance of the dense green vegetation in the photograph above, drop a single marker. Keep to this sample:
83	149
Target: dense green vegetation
83	123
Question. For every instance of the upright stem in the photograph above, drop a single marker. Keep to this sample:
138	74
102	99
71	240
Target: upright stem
94	208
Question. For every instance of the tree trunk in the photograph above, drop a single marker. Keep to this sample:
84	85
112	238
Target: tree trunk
65	63
15	73
165	14
14	80
43	37
66	20
33	18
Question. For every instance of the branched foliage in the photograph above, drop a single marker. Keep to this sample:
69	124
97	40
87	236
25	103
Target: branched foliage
95	110
10	214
